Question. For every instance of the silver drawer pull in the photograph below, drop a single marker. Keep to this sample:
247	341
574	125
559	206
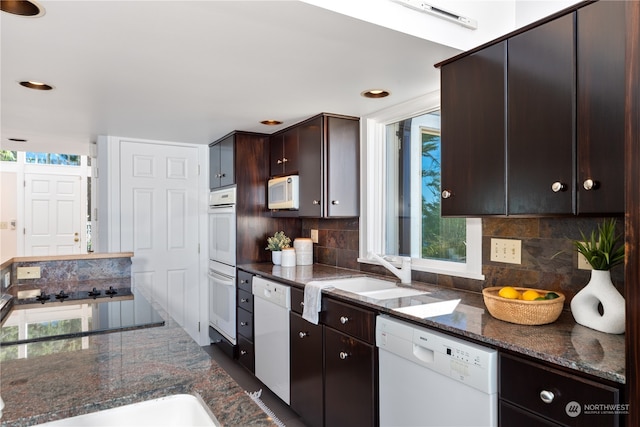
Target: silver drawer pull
335	202
590	184
243	352
557	186
301	303
279	161
244	300
302	334
343	355
546	396
446	194
244	324
344	320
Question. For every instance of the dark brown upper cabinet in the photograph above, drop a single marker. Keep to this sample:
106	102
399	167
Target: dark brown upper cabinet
329	160
550	140
221	163
601	94
284	153
473	140
540	119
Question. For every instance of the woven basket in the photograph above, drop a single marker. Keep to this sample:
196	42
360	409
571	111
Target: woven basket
523	312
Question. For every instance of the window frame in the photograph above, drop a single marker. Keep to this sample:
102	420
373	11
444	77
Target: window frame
372	219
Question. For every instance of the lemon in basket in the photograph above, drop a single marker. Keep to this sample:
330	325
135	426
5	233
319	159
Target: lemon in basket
530	295
509	292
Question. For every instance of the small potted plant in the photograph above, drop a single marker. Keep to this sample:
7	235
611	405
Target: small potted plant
276	244
603	250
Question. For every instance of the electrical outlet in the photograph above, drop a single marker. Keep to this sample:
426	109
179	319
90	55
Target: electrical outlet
506	250
314	236
583	264
28	272
7	279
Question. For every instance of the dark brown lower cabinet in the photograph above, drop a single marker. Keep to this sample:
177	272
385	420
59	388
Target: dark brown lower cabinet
349	382
306	370
533	394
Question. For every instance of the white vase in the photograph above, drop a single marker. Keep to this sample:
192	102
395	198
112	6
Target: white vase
276	257
600	291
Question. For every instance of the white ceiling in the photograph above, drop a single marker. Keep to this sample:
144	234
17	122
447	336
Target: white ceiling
194	71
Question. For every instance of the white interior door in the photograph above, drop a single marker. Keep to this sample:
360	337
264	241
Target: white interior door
159	223
53	214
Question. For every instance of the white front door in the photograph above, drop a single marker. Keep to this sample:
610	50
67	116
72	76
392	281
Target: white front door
159	224
53	214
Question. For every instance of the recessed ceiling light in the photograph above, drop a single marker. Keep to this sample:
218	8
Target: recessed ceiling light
21	7
36	85
375	93
17	139
271	122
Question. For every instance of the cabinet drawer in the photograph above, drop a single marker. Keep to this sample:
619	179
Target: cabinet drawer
511	415
246	354
244	281
351	320
522	382
297	300
245	300
245	324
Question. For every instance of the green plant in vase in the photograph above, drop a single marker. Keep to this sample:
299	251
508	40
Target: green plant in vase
276	244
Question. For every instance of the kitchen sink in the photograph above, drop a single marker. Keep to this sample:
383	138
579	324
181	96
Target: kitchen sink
369	287
177	409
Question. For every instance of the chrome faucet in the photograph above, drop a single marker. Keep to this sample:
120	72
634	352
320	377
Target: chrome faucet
403	273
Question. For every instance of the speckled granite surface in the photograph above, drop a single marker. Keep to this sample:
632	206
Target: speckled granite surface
119	368
563	343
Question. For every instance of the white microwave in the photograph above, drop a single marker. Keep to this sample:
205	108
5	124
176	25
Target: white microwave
283	192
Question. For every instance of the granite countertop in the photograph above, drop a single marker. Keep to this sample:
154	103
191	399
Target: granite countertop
564	342
119	368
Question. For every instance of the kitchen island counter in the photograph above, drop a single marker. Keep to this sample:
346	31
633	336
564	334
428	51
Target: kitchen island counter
119	368
563	343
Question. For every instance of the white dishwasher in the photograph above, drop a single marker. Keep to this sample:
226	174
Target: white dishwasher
271	305
432	379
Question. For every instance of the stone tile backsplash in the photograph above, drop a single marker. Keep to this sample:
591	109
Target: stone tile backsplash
549	260
75	270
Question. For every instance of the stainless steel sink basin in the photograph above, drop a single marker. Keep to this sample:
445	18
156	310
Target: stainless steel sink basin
373	288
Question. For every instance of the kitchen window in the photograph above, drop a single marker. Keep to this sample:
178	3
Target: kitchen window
401	204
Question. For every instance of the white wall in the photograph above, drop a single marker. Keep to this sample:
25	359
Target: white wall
8	213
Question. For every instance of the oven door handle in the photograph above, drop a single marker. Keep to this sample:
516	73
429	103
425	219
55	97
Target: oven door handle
224	279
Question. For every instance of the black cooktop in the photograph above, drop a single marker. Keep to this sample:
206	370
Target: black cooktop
29	323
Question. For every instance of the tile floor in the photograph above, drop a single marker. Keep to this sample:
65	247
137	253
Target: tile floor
250	383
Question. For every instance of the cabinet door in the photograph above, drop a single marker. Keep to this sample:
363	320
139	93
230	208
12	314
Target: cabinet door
290	151
601	96
227	176
310	162
214	166
350	393
306	370
540	119
472	129
513	416
276	152
342	167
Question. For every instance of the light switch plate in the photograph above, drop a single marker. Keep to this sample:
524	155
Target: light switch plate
314	236
7	279
28	272
506	250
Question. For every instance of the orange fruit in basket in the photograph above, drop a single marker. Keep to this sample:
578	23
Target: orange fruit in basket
509	293
530	295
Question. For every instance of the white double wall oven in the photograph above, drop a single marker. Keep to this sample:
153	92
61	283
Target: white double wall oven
222	262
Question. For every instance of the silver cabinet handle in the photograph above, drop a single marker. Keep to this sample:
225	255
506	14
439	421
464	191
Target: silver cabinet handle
302	334
590	184
343	355
222	175
243	352
316	202
279	161
335	202
344	320
243	281
547	396
244	324
558	186
301	303
285	160
244	300
446	194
